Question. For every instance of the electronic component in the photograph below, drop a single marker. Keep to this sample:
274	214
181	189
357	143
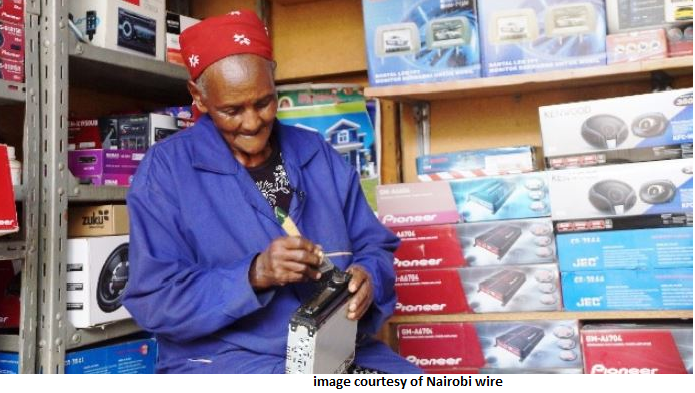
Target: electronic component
397	39
510	26
499	240
493	195
521	340
612	196
503	285
137	32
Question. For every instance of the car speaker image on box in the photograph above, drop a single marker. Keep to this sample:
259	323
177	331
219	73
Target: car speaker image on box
112	279
137	32
521	340
650	125
604	131
612	196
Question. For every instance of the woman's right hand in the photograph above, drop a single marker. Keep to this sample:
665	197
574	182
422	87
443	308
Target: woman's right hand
286	260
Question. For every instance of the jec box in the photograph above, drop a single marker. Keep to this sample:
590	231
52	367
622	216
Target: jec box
523	37
509	242
476	163
420	41
130	357
622	190
135	27
635	128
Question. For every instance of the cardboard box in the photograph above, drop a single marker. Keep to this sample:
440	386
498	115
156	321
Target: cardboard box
680	40
131	357
12	11
8	210
638	349
97	273
629	15
10	288
441	348
636	46
410	204
512	242
176	24
12	42
623	289
83	134
136	132
410	41
476	163
434	291
523	37
11	70
96	166
622	190
104	220
630	249
135	27
623	128
9	363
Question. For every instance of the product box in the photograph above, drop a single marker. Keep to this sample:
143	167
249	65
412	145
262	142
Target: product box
622	190
628	289
10	288
663	220
83	134
638	349
410	204
536	345
680	40
131	357
478	289
441	348
97	274
133	26
636	46
96	166
512	242
12	11
9	363
630	15
618	129
476	163
528	36
101	220
8	210
11	70
176	24
629	249
420	41
136	132
11	41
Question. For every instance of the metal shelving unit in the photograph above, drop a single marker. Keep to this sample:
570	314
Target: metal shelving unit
11	92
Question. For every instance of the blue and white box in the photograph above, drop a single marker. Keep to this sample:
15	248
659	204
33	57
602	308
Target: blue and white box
132	357
628	289
476	163
622	190
528	36
9	363
421	41
628	249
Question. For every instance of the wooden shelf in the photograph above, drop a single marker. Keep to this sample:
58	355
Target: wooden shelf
517	84
557	315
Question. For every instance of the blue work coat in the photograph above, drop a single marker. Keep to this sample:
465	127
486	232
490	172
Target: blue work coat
197	221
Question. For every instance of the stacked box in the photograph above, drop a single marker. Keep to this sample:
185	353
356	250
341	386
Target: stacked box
476	163
9	363
176	24
636	46
129	357
128	132
10	287
8	209
104	220
11	50
441	348
104	167
12	11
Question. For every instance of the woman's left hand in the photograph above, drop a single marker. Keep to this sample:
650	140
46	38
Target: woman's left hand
363	292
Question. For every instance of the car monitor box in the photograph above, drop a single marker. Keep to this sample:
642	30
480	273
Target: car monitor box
135	27
103	220
476	163
9	363
636	46
680	40
644	127
10	288
135	356
638	348
441	348
12	11
97	274
628	289
643	188
176	24
536	345
511	242
11	41
11	70
8	209
162	126
420	41
524	37
626	249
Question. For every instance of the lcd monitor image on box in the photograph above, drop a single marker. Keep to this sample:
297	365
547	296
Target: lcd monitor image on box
448	32
571	19
513	26
398	39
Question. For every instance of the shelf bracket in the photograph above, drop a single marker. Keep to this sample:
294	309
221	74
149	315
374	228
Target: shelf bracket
421	112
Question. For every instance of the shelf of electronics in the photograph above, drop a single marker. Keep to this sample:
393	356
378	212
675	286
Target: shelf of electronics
517	84
11	92
556	315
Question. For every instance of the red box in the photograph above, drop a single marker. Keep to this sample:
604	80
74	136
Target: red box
12	11
12	42
637	349
636	46
9	294
435	291
84	134
680	40
8	211
441	348
411	204
12	70
428	246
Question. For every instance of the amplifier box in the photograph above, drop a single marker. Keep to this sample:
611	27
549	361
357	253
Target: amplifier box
441	348
630	15
124	25
476	163
433	291
638	348
12	11
410	204
96	166
11	70
529	36
8	209
636	46
628	289
176	24
10	289
103	220
11	41
512	242
534	345
645	127
97	274
628	249
9	363
129	357
644	188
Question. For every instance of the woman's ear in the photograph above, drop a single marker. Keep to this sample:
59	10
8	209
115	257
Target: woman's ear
197	95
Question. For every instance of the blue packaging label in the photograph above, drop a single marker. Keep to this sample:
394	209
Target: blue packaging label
650	289
629	249
509	159
134	357
9	363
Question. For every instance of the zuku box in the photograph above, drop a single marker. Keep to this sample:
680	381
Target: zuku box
97	274
12	11
635	128
528	36
637	349
476	163
441	348
643	188
132	26
420	41
129	357
626	249
509	242
103	220
176	24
